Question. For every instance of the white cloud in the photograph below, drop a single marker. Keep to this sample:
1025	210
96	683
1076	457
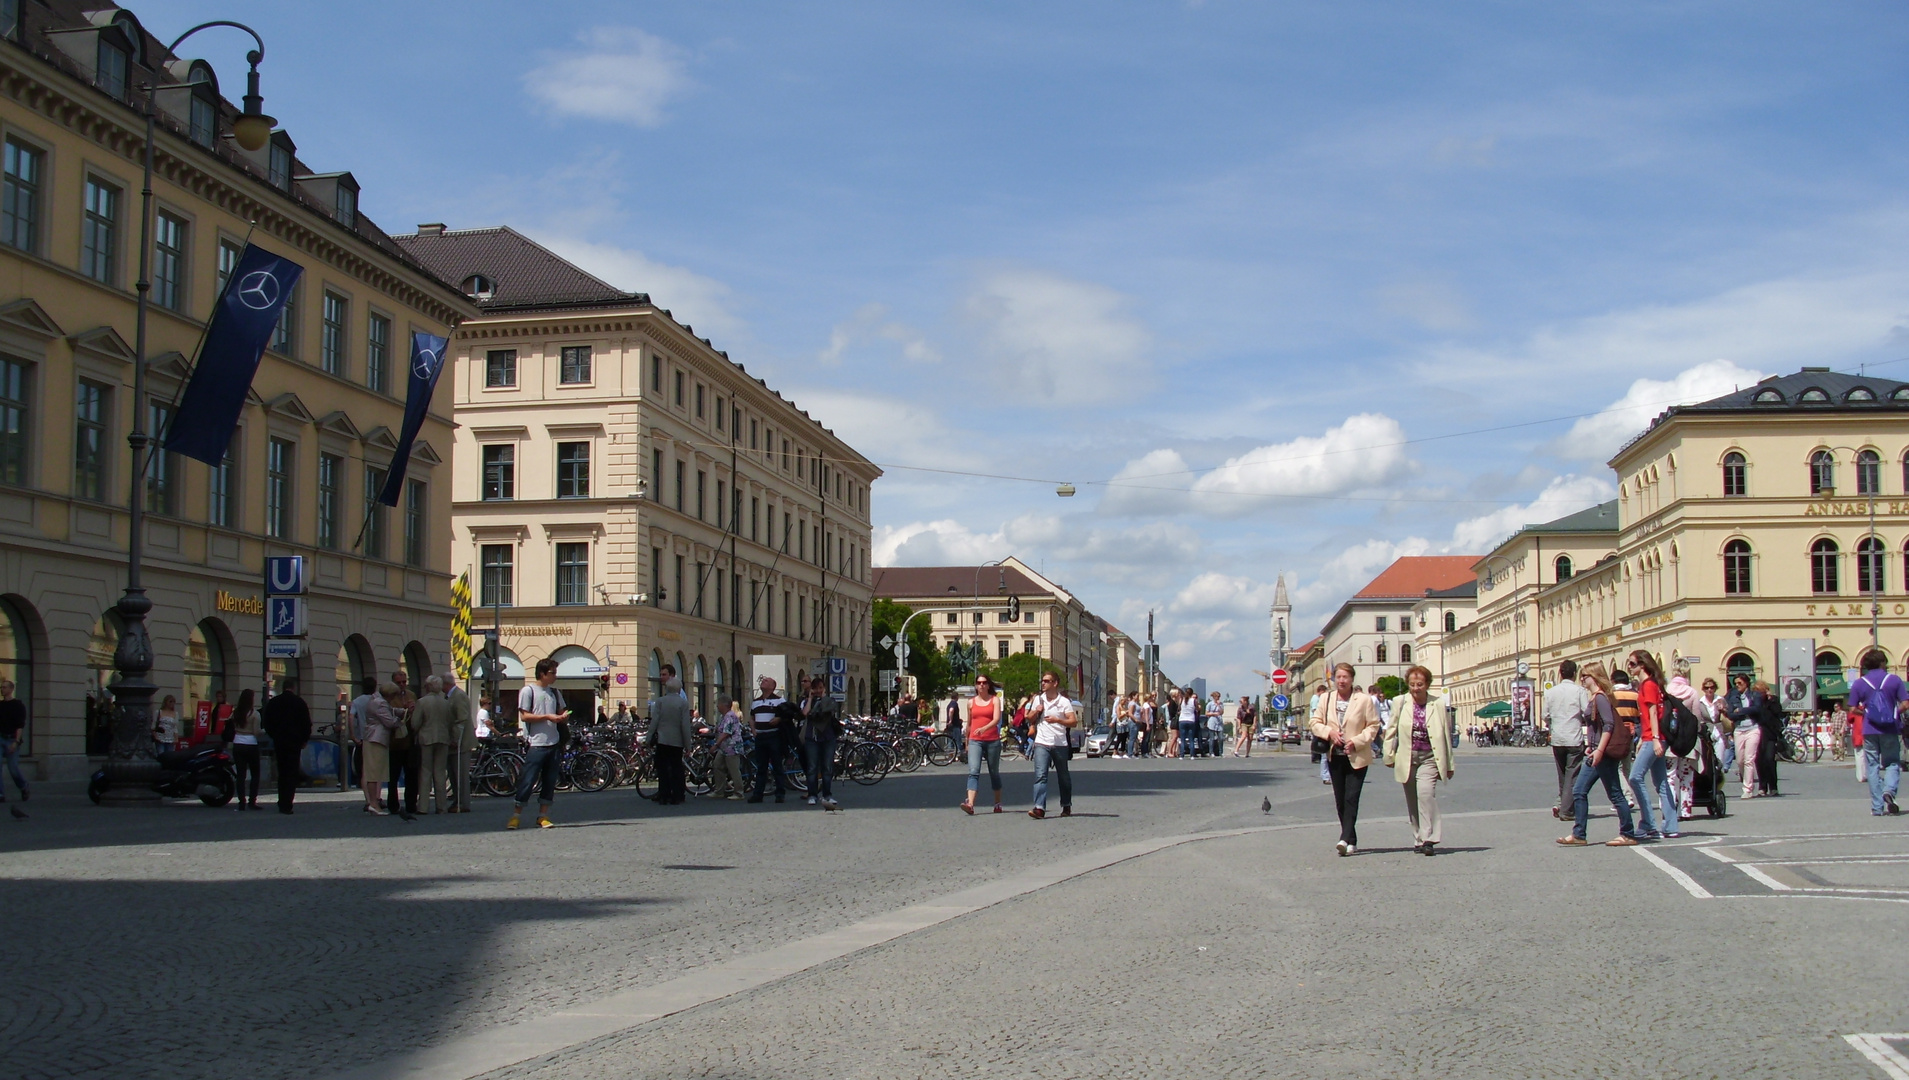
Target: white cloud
1062	340
1596	438
1564	495
620	74
869	323
702	302
1348	572
1434	305
1215	594
937	543
885	428
1364	452
1075	541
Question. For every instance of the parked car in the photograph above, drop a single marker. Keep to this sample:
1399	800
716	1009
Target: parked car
1100	741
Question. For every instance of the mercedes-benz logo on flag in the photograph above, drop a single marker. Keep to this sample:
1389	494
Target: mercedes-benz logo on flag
258	290
426	364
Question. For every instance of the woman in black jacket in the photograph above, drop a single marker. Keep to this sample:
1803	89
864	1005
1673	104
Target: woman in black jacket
1770	725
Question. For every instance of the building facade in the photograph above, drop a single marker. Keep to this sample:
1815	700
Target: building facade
626	496
315	437
1376	629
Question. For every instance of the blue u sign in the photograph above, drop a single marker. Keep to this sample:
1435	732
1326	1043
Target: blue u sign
285	575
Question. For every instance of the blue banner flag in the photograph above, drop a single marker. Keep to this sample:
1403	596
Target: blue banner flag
427	359
242	323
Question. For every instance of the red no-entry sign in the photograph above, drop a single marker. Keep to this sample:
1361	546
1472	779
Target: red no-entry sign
1280	676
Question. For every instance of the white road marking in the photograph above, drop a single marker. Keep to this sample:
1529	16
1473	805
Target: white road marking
1689	883
1884	1056
1720	856
1769	882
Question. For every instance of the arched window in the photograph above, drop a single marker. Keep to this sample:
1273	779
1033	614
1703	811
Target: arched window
1563	566
1380	654
702	688
721	686
1736	475
1829	676
16	663
479	287
1451	617
1869	565
204	671
1822	473
656	673
1405	654
1823	566
1736	568
1868	473
1739	664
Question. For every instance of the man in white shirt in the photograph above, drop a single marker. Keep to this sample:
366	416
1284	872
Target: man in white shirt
539	710
1566	706
1057	716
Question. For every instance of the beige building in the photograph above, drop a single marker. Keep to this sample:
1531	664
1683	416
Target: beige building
1439	617
1376	629
628	497
313	442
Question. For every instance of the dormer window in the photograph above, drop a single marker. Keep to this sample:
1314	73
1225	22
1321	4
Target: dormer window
479	287
345	206
1861	393
1769	396
1900	393
279	169
110	72
10	19
205	121
1813	396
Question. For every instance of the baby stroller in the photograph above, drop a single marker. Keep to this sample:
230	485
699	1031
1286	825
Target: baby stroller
1708	784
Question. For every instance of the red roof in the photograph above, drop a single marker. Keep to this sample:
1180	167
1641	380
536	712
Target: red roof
1410	576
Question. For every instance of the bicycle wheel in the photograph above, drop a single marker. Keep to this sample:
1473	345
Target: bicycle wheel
909	755
592	771
795	773
696	768
865	763
941	750
500	773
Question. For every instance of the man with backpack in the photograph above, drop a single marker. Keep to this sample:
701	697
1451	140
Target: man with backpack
1881	697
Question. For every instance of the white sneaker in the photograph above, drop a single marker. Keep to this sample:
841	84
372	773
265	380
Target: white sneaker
1352	849
812	801
1340	847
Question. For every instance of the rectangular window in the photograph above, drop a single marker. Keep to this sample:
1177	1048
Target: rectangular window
681	480
279	167
162	466
99	232
785	455
575	367
222	508
335	314
1379	624
110	74
679	584
378	353
278	488
374	512
721	492
229	253
89	441
719	414
679	389
702	495
1002	648
752	434
755	506
414	504
656	474
345	206
498	575
169	261
656	373
735	599
656	577
500	472
203	128
802	541
1027	645
10	19
699	401
285	335
331	469
20	196
500	368
802	617
573	470
13	422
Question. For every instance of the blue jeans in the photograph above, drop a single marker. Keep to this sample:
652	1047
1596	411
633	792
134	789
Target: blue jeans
1650	777
540	772
1588	776
1729	743
1186	738
1054	757
10	755
990	752
1882	754
820	754
769	760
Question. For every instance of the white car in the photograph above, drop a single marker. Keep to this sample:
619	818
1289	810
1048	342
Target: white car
1100	742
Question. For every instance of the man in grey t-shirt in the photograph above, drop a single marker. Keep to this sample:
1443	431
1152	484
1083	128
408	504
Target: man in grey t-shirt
539	710
1565	707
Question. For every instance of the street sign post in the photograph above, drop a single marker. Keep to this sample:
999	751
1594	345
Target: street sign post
1282	702
286	575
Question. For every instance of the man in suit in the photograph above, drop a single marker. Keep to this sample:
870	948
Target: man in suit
288	720
466	745
434	732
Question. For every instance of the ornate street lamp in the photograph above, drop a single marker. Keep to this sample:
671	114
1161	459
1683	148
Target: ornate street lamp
130	764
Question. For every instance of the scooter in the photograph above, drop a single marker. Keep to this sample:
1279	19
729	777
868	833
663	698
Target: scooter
204	771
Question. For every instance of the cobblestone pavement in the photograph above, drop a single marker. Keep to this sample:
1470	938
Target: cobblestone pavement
184	942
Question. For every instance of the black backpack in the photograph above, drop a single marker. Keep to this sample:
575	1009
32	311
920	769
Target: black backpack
1681	727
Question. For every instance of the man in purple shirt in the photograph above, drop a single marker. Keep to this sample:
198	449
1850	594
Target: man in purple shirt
1881	696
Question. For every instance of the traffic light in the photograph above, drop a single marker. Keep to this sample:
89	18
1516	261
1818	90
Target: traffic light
1014	609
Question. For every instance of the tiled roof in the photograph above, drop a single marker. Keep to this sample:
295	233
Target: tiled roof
524	274
1811	390
951	582
1411	575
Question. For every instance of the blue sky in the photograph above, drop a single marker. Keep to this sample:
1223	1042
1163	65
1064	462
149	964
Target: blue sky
1242	260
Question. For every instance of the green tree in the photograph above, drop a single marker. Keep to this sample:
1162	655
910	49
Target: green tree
1020	674
1390	686
928	664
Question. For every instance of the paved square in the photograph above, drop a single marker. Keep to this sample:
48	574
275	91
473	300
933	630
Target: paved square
901	938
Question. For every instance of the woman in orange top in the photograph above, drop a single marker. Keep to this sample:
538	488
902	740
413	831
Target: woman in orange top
984	741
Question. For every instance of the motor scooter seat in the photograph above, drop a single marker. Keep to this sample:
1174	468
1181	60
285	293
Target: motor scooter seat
178	759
